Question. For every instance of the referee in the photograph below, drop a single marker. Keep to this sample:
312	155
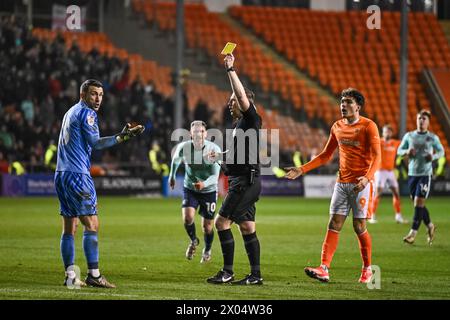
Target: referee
243	171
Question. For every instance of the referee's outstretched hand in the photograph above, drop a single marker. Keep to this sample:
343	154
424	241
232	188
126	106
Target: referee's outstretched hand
229	61
293	172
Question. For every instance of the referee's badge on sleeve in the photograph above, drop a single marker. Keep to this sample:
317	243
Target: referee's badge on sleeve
90	120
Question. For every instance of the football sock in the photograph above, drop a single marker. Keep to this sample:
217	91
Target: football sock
227	244
426	216
396	204
94	272
208	237
365	246
412	232
329	247
67	250
418	216
190	229
253	251
90	246
71	274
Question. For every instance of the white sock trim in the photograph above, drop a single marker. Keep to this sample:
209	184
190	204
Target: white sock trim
94	272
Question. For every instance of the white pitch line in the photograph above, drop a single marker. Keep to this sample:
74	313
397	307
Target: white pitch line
70	291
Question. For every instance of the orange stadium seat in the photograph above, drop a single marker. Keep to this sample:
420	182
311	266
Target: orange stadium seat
208	31
365	58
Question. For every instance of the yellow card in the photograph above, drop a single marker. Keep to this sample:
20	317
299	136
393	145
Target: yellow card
228	49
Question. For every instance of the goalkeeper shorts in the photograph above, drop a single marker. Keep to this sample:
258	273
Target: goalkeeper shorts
76	194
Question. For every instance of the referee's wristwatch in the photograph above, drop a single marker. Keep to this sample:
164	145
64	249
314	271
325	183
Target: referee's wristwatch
230	69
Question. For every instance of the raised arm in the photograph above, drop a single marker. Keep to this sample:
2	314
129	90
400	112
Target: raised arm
236	84
89	128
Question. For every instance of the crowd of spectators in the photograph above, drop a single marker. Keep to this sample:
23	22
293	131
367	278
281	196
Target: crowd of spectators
40	81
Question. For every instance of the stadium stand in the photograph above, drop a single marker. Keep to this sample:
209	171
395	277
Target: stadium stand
41	72
205	30
337	50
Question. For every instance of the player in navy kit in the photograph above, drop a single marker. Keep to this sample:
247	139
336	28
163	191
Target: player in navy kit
422	148
200	186
74	185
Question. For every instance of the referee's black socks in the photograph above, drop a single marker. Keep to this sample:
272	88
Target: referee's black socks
253	251
227	244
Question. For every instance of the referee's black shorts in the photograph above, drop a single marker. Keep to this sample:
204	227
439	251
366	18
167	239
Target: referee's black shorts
239	203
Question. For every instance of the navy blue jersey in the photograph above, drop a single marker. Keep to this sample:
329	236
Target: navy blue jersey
79	135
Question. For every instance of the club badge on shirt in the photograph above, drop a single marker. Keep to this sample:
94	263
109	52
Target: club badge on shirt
90	120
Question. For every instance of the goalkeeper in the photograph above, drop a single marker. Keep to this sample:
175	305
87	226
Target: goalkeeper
74	185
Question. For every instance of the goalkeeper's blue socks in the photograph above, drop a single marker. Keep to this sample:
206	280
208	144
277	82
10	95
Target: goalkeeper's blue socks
67	250
90	246
208	237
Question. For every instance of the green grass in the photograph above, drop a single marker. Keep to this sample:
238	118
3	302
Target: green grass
142	245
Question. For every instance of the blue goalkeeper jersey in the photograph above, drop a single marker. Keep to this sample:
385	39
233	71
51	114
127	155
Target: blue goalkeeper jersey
197	167
78	136
424	143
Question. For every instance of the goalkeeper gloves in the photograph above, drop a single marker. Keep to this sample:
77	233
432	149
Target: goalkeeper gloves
129	132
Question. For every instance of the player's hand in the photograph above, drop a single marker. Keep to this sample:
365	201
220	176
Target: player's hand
199	185
212	156
429	157
129	132
412	152
293	172
172	183
229	61
362	183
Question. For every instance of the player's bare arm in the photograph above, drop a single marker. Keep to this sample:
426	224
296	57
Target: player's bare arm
236	84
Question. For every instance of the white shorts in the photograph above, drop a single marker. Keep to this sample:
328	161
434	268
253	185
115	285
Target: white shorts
385	179
344	199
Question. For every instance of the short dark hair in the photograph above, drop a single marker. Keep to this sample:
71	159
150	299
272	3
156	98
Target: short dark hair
425	112
198	122
90	82
250	95
355	94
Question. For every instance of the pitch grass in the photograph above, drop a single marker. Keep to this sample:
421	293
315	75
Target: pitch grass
142	245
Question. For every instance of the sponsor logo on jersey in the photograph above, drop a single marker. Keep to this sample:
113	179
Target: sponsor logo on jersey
90	120
349	142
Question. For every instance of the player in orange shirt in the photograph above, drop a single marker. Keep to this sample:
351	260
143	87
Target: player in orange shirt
359	157
386	176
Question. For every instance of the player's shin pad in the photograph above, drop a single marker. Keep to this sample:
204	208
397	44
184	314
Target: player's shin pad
129	132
